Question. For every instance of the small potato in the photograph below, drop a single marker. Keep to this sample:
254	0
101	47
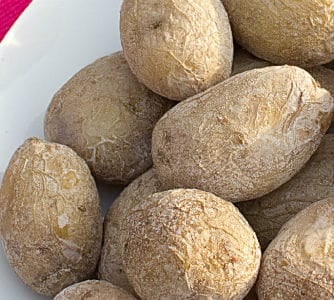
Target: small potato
314	182
111	264
291	32
94	290
244	137
299	263
107	117
177	48
50	218
189	244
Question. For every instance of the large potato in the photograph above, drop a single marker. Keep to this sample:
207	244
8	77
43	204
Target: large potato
285	32
93	290
177	48
314	182
111	266
189	244
244	137
299	263
50	219
107	117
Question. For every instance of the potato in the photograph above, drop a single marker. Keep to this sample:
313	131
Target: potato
107	117
314	182
177	48
50	219
284	32
94	290
299	264
244	61
244	137
189	244
111	264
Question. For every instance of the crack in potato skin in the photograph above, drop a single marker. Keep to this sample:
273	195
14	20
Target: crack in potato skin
189	244
299	262
177	48
312	183
111	266
50	219
107	117
94	290
241	144
290	32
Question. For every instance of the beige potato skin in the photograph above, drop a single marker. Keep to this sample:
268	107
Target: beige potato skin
312	183
284	32
111	266
177	48
94	290
242	143
189	244
50	219
298	263
107	117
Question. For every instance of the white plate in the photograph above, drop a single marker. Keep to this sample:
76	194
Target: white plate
50	42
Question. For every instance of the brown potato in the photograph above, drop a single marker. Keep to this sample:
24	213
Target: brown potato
244	137
107	117
189	244
314	182
177	48
111	264
50	219
94	290
284	32
299	262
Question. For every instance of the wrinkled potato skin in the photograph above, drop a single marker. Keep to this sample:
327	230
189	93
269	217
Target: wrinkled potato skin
93	290
50	219
111	264
244	61
107	117
284	32
312	183
177	48
242	143
189	244
298	263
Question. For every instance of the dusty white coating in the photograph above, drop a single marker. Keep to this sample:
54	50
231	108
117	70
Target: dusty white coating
299	262
107	117
50	219
244	137
312	183
291	32
177	48
189	244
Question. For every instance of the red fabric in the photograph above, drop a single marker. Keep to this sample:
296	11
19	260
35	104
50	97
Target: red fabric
10	10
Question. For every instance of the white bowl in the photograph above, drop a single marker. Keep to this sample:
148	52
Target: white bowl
50	42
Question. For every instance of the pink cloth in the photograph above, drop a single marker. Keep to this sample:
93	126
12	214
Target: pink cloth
10	10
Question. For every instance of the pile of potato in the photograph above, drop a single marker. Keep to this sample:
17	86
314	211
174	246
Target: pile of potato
240	165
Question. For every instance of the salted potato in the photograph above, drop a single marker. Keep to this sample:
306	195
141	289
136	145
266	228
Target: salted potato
177	48
284	32
189	244
298	263
94	290
242	143
50	219
111	264
107	117
314	182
